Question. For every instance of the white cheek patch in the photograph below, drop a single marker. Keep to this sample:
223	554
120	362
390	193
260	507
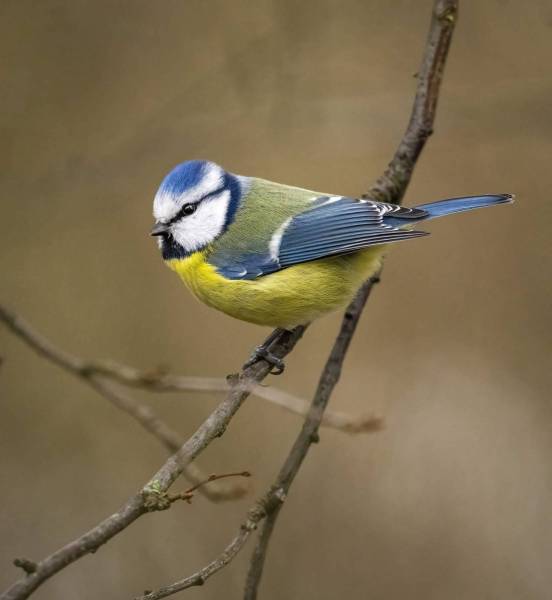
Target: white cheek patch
205	225
166	204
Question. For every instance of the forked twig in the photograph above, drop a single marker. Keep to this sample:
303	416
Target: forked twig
188	494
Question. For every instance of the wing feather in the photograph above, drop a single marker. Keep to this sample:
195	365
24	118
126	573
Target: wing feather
340	227
329	227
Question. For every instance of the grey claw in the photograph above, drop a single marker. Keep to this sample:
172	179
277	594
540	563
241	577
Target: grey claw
262	353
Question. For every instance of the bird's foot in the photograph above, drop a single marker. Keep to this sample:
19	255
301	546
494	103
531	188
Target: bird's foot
263	353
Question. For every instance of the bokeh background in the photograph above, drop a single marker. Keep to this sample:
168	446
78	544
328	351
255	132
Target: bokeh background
99	99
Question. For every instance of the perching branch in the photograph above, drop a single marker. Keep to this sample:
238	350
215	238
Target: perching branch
268	506
153	495
390	187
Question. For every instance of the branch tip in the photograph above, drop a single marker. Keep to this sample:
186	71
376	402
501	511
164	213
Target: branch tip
188	494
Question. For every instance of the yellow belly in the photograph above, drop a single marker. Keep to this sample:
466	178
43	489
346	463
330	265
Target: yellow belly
296	295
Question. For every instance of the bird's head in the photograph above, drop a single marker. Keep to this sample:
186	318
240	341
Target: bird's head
194	205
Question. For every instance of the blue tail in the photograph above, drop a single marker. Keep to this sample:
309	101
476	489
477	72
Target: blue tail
454	205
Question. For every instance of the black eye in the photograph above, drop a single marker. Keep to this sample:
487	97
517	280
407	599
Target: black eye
188	209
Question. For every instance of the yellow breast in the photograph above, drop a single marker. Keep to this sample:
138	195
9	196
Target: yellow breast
296	295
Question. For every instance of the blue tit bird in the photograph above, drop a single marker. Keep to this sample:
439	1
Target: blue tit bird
278	255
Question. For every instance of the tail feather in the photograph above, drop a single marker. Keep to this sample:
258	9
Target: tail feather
454	205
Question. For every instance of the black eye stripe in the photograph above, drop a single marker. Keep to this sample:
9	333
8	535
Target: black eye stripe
185	209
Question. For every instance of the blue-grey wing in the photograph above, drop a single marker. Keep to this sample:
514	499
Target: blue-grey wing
333	225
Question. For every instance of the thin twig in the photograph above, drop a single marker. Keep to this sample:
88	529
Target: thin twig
334	419
255	515
96	372
159	380
188	494
391	188
140	411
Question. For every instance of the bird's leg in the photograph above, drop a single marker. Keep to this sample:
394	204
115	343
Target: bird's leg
262	352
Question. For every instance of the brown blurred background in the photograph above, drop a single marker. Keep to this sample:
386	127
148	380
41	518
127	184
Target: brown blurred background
101	98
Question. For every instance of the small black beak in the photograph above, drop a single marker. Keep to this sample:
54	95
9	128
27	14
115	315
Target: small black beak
159	229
